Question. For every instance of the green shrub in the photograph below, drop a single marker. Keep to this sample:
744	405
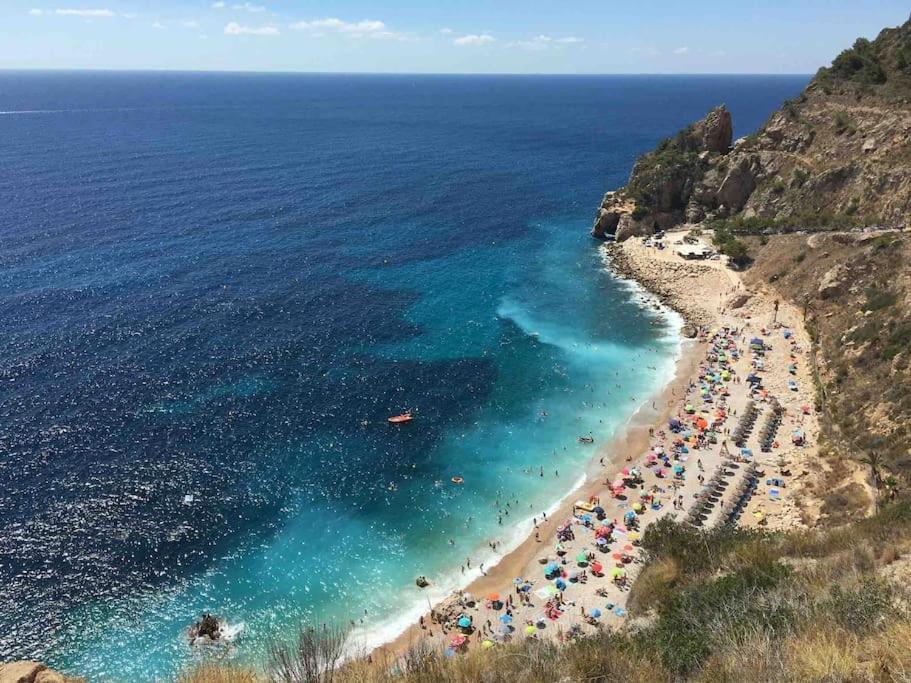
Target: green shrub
639	212
843	123
877	299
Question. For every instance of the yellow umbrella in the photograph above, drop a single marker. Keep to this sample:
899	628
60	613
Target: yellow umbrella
530	630
487	644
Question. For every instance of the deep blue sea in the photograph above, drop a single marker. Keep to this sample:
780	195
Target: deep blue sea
215	288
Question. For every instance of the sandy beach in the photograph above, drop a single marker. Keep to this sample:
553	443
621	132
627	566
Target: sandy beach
563	580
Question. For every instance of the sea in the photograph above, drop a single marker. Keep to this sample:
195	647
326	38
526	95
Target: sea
216	288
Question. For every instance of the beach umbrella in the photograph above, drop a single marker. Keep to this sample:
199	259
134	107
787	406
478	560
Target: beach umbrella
638	506
449	652
595	613
561	584
581	558
464	622
597	567
629	515
487	644
628	548
620	612
618	484
617	556
493	597
552	568
458	640
633	536
530	630
617	572
625	471
506	619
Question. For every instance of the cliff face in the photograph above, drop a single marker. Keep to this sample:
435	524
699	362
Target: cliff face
840	153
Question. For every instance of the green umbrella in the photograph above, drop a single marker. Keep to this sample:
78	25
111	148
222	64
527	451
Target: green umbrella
581	558
530	630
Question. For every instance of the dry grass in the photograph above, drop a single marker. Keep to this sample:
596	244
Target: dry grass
219	673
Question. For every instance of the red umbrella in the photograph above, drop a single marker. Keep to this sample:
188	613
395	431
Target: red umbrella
596	567
628	548
617	556
458	640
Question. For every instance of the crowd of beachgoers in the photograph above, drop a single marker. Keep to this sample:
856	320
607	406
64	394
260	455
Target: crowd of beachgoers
730	448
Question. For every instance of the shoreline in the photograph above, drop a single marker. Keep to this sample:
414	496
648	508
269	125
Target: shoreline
628	441
690	419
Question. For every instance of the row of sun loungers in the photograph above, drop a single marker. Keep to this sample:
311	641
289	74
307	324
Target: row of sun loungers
770	430
724	495
745	425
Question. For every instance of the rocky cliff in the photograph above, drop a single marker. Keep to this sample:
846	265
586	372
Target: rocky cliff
838	154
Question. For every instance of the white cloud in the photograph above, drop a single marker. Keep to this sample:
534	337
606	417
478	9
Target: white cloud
219	5
544	42
681	50
235	29
88	13
446	31
474	39
647	51
369	28
249	7
84	13
158	25
190	23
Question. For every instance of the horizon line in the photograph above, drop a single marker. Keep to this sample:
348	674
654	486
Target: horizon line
379	73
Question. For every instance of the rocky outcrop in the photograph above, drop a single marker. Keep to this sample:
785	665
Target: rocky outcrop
32	672
715	131
662	182
838	154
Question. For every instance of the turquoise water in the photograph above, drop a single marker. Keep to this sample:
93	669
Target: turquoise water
219	286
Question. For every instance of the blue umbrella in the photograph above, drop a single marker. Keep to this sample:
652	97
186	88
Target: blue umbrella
506	619
619	611
464	622
449	652
561	584
595	613
551	568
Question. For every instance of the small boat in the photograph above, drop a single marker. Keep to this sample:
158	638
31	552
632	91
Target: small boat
457	480
399	419
586	439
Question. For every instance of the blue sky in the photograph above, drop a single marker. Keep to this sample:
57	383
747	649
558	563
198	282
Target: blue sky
465	36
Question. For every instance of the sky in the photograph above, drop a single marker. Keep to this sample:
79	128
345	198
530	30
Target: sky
461	36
